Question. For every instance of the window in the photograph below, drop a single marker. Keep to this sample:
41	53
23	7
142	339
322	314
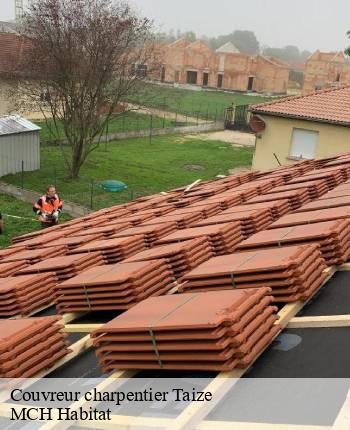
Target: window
304	143
191	77
205	79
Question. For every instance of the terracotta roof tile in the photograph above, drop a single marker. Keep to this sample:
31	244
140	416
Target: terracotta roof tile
330	106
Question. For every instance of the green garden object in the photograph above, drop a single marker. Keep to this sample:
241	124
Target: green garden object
113	186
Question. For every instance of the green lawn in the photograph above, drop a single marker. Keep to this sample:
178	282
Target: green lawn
128	121
205	103
17	226
165	163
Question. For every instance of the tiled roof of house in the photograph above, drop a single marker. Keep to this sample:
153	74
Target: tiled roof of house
330	106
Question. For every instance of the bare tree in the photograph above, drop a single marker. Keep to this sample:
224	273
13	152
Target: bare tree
83	55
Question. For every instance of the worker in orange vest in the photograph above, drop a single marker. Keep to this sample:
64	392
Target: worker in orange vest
48	207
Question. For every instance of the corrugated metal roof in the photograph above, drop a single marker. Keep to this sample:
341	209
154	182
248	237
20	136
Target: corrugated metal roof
15	124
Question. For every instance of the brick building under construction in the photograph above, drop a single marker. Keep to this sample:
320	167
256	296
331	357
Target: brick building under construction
196	64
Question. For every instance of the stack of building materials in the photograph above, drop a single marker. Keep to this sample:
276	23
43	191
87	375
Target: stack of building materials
65	267
181	201
73	241
154	212
21	295
339	191
33	256
245	191
344	169
151	233
39	241
207	209
292	272
114	250
225	200
114	287
296	198
133	220
182	220
9	269
181	257
216	331
105	230
30	345
251	221
315	188
324	203
277	208
333	178
7	252
310	217
332	236
223	238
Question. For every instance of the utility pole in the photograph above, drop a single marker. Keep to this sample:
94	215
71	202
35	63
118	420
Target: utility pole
18	10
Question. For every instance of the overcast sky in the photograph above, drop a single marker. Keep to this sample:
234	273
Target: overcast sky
309	24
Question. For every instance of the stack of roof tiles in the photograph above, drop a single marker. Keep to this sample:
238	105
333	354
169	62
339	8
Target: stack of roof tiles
114	287
315	188
333	178
226	200
105	231
151	233
251	221
216	331
296	198
73	242
11	268
310	217
33	256
182	220
114	250
181	257
21	295
67	266
206	209
332	236
293	273
277	208
28	346
325	203
223	238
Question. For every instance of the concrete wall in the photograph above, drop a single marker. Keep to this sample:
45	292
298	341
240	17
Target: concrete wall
29	196
277	139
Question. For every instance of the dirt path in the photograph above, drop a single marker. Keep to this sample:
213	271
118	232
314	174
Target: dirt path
237	138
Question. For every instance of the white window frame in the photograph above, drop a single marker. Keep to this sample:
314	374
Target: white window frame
308	153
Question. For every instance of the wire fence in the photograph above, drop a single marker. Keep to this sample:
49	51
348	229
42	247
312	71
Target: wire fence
133	123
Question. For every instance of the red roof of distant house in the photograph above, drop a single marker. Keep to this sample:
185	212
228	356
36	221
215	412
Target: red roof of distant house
329	106
11	50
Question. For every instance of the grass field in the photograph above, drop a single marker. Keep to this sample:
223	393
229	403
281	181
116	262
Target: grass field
130	121
17	226
205	103
165	163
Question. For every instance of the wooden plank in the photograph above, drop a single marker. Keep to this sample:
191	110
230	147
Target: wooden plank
81	328
192	185
344	267
71	316
320	321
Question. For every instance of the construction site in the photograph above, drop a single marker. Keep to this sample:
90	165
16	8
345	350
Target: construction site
210	289
203	278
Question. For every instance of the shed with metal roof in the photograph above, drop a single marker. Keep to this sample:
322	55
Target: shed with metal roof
19	145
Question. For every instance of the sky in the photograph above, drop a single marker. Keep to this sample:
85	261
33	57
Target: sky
308	24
